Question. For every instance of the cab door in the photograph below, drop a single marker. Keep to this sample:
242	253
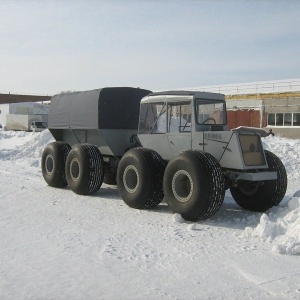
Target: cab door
153	128
179	126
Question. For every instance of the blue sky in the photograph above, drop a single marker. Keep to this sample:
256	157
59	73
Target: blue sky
53	46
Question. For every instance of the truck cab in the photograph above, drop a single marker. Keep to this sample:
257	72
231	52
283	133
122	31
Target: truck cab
179	120
172	122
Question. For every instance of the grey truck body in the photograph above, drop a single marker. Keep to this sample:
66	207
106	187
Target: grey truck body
173	145
105	117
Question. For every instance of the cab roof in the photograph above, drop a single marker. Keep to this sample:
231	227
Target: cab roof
181	96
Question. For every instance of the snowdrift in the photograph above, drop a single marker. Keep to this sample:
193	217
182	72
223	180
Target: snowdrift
279	226
59	245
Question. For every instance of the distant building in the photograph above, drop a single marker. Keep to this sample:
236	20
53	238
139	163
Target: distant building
272	105
24	105
24	108
14	98
279	112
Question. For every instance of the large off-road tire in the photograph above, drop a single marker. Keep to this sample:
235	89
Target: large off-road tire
194	185
84	169
260	196
139	178
53	163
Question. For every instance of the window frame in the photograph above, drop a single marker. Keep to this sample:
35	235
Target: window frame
284	116
199	101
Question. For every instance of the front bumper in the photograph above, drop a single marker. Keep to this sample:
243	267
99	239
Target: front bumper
257	176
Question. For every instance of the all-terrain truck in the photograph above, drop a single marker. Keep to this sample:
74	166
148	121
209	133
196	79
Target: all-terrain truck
173	145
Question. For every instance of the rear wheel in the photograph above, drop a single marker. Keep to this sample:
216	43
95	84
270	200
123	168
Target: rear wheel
194	185
139	178
260	196
53	163
84	169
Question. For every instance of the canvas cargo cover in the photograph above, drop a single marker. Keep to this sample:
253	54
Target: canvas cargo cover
107	108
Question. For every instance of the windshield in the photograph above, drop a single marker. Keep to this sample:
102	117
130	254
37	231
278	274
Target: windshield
210	112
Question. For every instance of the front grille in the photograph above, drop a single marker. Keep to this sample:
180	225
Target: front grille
252	150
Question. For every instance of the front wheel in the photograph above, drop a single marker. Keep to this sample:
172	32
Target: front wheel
194	185
260	196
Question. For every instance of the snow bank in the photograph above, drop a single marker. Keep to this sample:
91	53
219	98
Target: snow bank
23	146
281	225
288	151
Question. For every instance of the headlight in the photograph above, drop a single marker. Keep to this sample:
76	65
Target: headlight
252	150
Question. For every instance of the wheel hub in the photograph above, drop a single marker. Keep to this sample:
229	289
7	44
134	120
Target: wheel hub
131	179
74	169
249	189
182	186
49	164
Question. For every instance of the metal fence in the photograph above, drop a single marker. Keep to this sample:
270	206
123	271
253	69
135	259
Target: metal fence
279	86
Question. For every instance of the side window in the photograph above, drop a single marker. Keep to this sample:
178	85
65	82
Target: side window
284	119
161	122
158	118
279	119
271	119
179	117
153	118
288	119
296	119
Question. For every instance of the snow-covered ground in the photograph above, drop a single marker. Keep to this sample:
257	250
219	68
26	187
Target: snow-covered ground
55	244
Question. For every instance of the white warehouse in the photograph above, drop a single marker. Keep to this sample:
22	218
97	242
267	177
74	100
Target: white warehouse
35	110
